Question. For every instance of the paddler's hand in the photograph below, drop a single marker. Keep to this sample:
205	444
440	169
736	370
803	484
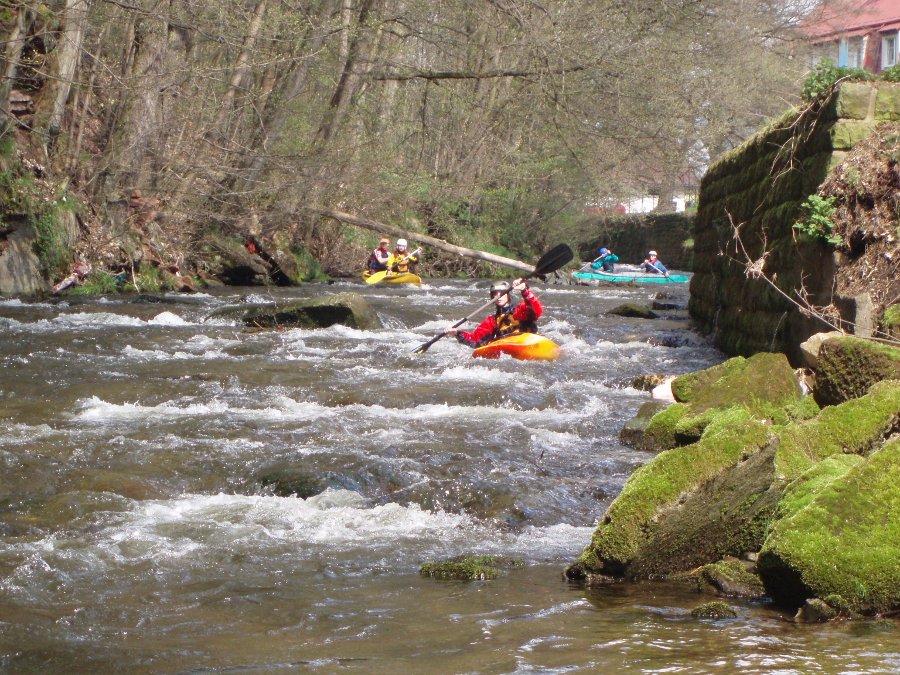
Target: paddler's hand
450	330
519	285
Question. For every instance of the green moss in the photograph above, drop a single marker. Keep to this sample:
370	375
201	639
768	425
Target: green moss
714	610
854	427
845	541
731	577
806	409
660	482
891	317
803	489
660	433
848	367
761	380
49	245
469	568
98	283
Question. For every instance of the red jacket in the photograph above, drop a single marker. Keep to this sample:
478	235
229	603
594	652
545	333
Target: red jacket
526	312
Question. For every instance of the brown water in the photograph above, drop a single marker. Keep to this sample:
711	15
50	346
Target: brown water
138	533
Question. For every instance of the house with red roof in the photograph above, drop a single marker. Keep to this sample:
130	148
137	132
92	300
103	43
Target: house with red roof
856	33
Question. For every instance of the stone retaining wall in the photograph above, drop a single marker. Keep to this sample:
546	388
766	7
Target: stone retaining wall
759	188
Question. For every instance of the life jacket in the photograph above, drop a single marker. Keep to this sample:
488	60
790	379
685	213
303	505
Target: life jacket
400	262
374	264
505	324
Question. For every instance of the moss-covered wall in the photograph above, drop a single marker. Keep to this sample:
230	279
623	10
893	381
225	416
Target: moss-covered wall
630	237
759	188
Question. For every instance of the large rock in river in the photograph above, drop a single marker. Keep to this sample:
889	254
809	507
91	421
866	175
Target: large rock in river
843	540
349	309
696	504
764	385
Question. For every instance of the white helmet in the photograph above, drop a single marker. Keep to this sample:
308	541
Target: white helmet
652	252
500	288
401	242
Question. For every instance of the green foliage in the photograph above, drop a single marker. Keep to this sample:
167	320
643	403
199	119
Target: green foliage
50	243
891	317
7	146
97	283
817	221
819	82
891	74
311	270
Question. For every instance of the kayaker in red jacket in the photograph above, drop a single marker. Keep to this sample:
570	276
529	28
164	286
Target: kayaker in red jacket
507	320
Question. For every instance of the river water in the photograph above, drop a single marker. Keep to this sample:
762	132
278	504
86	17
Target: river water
141	532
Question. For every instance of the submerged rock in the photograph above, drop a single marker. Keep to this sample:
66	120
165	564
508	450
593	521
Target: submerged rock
815	611
349	309
472	568
714	610
633	311
733	578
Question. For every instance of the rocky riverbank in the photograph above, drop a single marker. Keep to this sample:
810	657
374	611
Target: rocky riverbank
766	487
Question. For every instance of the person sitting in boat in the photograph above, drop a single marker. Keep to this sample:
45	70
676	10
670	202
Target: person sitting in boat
508	319
606	260
378	261
653	265
401	259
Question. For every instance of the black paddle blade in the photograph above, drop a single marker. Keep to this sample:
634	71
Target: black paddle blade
552	260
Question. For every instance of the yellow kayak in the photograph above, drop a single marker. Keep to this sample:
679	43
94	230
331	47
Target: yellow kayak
391	278
525	347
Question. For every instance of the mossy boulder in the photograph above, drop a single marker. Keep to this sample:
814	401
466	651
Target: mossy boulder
633	311
634	431
855	427
349	309
763	386
733	578
845	541
764	382
848	366
659	434
815	611
688	506
471	568
714	610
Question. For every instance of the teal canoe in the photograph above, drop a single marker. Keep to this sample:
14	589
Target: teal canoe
632	277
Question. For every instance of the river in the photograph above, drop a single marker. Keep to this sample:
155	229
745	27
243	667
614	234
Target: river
142	530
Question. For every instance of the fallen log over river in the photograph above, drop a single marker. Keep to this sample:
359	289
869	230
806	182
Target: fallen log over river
421	238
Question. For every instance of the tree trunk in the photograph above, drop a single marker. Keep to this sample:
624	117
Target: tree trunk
11	57
421	238
76	16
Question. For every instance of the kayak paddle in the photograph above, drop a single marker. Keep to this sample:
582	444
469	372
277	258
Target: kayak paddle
551	261
378	276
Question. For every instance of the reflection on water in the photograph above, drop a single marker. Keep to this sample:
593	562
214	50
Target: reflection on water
147	523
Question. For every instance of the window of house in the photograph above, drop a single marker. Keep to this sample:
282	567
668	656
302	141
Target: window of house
843	54
889	50
856	52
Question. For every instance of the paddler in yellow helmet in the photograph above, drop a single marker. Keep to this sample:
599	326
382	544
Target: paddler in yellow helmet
508	319
400	259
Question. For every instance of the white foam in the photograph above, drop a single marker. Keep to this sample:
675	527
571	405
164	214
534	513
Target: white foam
97	410
168	319
482	374
160	355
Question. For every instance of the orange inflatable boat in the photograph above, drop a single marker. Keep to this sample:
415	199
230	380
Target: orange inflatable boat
526	347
